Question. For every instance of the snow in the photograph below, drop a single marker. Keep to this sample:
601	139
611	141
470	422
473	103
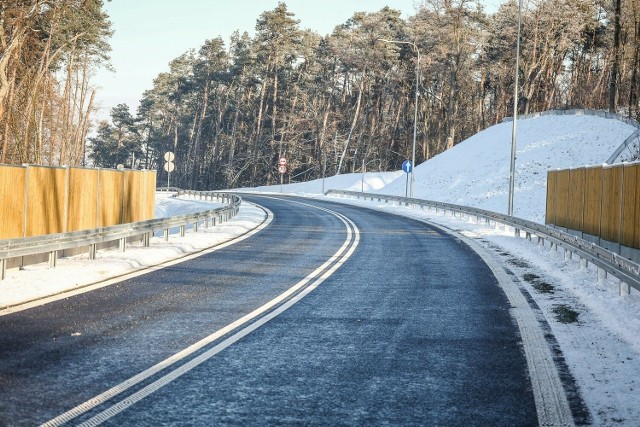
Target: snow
601	349
78	273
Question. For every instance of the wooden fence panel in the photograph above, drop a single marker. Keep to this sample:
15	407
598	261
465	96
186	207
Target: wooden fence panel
592	200
562	199
83	199
12	185
150	191
111	192
629	210
46	200
631	206
37	200
134	196
576	198
610	217
552	193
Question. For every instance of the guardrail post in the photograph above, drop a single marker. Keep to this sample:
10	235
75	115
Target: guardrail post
182	230
568	254
516	232
53	258
92	251
195	226
146	239
584	263
3	268
602	275
166	234
122	244
625	289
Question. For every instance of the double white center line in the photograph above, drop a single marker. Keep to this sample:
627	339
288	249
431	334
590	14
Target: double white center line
237	329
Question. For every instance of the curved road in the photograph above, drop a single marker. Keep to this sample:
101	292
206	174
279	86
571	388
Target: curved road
399	324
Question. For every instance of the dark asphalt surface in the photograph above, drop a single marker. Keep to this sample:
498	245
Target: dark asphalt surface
412	330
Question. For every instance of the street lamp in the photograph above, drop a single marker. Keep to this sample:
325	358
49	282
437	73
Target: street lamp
515	116
415	113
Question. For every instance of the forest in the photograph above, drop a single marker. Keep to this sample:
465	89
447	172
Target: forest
331	104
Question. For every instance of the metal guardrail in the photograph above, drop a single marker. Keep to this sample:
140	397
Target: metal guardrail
625	270
52	243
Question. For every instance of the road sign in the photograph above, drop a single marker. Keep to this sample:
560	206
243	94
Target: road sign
169	166
407	166
282	169
282	161
169	156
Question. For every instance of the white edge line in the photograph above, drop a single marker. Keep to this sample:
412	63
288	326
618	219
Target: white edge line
126	276
551	401
114	391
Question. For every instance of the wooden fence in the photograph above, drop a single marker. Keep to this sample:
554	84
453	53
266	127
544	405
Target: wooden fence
38	200
602	201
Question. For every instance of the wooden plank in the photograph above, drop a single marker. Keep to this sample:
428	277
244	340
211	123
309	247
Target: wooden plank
636	232
562	199
150	190
134	200
576	199
83	194
46	200
611	216
631	206
592	200
12	188
550	210
110	211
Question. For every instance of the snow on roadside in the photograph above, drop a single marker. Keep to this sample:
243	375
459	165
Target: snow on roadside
37	281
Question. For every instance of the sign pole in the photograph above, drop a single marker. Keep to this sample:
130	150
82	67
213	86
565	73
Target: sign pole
282	168
169	166
406	186
407	167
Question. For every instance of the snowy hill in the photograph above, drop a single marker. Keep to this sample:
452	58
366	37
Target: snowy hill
475	172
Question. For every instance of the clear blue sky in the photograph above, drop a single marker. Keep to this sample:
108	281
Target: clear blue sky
150	33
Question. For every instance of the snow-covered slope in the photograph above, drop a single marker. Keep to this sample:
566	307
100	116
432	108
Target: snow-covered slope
475	172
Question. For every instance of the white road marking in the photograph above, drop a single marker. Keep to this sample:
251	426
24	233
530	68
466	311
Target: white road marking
317	277
66	294
551	401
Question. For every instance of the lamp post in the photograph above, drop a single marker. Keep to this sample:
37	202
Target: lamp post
415	112
515	116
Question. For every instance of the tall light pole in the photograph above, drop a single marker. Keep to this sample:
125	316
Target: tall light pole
512	172
415	112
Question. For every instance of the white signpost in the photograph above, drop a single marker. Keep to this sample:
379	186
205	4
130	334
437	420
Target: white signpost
282	168
169	166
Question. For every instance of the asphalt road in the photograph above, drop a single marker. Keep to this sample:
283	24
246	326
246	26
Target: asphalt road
410	329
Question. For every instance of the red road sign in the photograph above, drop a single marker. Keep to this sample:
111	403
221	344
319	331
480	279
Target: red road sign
282	169
282	162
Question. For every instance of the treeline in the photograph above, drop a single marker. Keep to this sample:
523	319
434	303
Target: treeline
48	51
346	101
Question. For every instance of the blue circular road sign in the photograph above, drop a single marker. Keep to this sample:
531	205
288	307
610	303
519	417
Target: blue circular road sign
407	166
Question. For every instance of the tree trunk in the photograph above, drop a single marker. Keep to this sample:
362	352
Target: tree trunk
353	126
613	84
